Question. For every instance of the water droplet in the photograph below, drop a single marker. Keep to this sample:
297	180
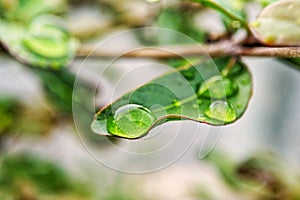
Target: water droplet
218	87
99	127
44	46
201	117
222	111
130	121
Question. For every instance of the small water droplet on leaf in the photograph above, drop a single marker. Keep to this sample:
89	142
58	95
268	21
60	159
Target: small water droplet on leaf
99	127
130	121
201	117
222	111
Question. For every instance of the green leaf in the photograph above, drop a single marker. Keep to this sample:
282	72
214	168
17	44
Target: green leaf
44	43
182	94
173	27
278	24
26	10
42	176
226	167
58	87
8	113
230	8
176	20
69	99
36	170
15	117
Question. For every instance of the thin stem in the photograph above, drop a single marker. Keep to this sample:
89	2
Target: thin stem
222	48
229	66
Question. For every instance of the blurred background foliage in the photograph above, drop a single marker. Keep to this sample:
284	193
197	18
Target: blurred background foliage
29	173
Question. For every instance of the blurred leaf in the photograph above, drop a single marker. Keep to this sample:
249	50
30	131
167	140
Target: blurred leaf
45	175
230	8
203	194
26	10
121	192
44	43
206	93
262	168
58	86
9	109
262	176
182	22
277	26
68	101
15	117
41	121
21	171
272	175
226	167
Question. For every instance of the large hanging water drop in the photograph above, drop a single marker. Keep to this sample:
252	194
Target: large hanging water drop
218	87
222	111
130	121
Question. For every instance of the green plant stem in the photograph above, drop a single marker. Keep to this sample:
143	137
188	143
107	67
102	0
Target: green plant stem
218	49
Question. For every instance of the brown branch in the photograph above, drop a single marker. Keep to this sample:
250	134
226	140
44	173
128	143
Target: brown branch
223	48
283	52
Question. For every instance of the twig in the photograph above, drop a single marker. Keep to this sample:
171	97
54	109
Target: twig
223	48
282	52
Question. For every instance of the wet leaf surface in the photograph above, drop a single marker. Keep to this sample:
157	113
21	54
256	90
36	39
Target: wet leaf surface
203	93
